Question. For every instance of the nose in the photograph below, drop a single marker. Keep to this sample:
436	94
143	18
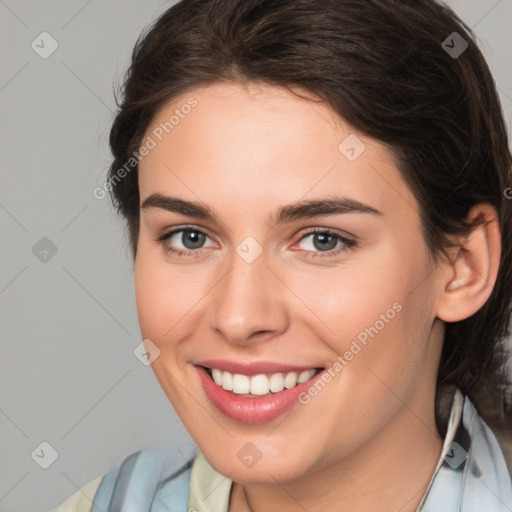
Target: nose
249	302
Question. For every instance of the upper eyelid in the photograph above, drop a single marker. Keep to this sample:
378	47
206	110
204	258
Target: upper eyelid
187	227
337	232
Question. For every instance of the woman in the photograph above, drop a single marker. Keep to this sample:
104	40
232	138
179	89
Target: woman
316	197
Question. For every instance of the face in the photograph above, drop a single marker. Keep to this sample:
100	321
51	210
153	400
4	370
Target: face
316	319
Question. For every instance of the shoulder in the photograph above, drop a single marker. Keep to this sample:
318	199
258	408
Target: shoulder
82	500
156	472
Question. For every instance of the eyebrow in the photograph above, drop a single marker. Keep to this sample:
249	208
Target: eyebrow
301	210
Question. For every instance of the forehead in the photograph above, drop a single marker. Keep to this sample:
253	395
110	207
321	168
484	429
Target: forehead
258	144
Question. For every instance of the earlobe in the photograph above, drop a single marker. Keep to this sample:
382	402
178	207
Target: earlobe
471	273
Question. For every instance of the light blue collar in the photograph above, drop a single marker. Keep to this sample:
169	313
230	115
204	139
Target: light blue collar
471	475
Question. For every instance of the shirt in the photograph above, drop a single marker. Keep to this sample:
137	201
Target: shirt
471	476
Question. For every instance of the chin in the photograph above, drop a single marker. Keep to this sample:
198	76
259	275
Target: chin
273	465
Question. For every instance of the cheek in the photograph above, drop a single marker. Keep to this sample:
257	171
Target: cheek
342	303
164	297
375	313
149	295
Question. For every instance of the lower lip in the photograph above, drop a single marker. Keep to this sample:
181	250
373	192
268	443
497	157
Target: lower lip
252	410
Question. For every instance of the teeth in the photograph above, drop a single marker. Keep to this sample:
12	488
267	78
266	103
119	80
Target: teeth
276	383
290	381
259	385
227	381
241	384
217	376
304	376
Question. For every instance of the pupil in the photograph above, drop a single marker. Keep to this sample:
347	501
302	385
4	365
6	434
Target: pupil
323	237
192	239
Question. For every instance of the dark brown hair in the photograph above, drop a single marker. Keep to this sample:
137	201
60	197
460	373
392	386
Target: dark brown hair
383	67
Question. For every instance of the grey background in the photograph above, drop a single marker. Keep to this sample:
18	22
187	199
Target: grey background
68	324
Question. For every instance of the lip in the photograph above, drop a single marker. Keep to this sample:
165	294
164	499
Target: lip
251	369
252	410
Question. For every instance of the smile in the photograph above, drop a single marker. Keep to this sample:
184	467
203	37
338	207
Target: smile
254	393
259	385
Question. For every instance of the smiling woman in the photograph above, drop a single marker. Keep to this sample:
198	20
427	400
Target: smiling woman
323	255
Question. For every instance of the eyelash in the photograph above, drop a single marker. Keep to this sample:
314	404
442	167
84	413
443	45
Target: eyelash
347	244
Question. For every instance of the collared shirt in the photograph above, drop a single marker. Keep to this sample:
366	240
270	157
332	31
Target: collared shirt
471	476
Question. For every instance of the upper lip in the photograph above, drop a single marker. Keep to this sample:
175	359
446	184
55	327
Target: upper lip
254	368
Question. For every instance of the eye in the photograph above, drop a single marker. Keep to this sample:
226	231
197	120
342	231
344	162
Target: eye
325	243
322	242
191	239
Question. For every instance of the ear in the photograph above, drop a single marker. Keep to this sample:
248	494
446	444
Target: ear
470	276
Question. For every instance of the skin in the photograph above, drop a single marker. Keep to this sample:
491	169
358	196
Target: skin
245	151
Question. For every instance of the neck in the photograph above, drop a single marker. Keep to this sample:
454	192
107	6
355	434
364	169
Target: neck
394	468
